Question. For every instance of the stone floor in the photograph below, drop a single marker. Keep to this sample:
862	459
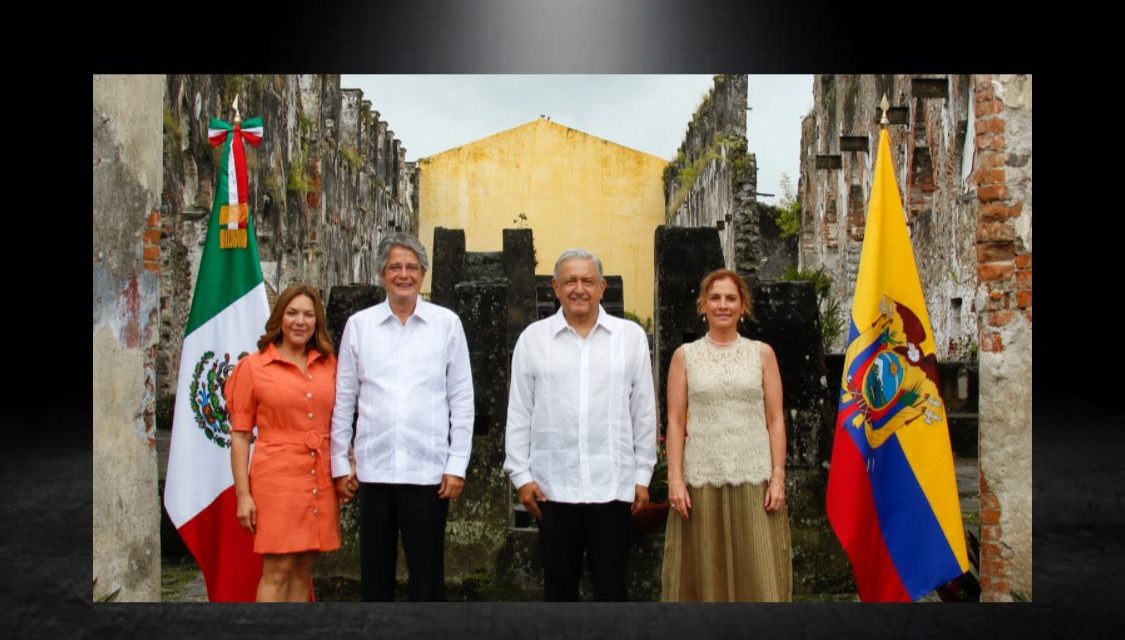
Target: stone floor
181	581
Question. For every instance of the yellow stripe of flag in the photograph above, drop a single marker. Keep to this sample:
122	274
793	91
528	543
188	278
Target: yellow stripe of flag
887	268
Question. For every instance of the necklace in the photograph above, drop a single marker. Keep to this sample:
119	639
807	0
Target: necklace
717	343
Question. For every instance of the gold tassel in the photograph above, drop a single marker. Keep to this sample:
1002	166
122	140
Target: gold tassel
233	238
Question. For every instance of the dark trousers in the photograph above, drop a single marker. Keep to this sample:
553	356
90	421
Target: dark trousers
416	511
598	531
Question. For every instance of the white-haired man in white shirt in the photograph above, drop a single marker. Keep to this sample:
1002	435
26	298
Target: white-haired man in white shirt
581	434
405	364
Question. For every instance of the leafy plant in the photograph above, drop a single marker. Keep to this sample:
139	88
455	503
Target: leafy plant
172	126
298	183
305	124
789	221
832	320
683	174
298	180
350	155
646	324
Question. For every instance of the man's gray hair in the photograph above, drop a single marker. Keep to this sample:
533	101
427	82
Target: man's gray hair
400	240
578	254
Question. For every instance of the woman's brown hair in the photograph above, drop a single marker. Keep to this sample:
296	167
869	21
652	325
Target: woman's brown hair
715	276
320	340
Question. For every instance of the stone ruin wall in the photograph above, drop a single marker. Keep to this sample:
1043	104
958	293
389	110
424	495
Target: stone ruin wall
961	148
838	144
327	182
712	181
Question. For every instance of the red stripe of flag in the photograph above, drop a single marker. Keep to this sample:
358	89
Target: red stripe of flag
853	516
224	551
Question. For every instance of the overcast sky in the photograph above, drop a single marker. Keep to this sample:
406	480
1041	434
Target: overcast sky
650	113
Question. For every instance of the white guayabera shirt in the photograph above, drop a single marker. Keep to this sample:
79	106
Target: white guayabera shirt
582	411
414	388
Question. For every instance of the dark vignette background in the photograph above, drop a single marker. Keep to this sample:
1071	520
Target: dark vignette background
45	522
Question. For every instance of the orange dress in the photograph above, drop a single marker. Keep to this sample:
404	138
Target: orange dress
290	469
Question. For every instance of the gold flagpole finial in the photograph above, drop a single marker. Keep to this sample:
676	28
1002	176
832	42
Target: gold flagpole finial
238	118
885	104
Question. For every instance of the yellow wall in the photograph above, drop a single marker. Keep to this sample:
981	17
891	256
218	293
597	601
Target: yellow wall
577	191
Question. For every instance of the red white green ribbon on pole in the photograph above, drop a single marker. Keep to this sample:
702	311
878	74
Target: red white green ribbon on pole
233	187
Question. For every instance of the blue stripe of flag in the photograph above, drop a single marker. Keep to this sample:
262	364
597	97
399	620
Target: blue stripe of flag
914	537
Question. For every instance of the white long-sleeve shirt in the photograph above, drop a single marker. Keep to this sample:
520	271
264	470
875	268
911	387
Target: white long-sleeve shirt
414	388
581	411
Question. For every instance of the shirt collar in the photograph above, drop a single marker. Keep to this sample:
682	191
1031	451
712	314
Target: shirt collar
271	354
422	310
559	323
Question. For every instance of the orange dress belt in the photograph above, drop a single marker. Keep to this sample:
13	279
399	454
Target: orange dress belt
314	440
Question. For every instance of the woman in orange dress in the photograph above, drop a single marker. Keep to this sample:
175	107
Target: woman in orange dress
285	495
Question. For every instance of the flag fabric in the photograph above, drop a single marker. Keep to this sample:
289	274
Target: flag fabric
231	193
228	313
892	494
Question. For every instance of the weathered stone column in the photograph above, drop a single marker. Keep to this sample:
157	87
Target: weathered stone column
519	268
683	256
343	301
614	298
128	178
478	521
447	266
1002	174
786	318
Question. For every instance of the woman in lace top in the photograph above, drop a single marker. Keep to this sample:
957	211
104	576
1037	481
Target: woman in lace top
728	531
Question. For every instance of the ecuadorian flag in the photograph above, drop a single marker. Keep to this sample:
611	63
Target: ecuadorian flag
892	494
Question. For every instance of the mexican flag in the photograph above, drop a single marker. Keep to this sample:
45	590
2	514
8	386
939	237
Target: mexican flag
228	313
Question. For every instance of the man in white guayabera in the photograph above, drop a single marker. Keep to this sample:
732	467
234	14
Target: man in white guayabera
405	362
581	433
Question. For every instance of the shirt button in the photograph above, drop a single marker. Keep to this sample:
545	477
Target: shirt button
314	512
308	395
312	453
310	376
312	472
310	415
314	492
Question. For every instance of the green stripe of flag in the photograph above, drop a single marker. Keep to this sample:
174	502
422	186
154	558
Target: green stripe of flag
225	275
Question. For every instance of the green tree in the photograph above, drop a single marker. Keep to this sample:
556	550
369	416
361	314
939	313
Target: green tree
789	220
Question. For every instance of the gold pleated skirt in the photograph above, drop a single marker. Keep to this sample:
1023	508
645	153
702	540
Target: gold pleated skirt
730	549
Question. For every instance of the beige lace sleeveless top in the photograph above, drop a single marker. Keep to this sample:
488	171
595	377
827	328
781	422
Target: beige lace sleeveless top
727	440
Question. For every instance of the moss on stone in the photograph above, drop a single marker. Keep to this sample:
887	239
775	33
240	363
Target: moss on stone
350	155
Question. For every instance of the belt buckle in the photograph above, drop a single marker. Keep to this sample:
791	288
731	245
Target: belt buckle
312	439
